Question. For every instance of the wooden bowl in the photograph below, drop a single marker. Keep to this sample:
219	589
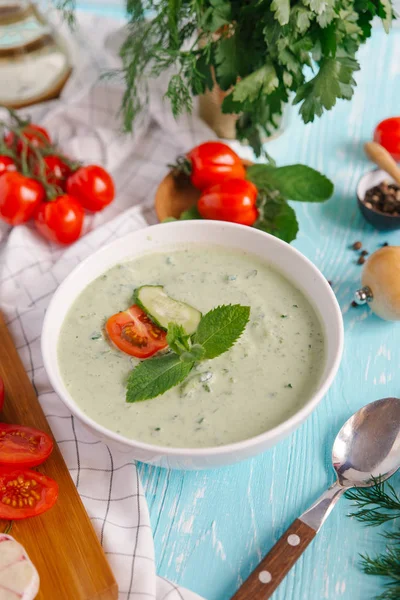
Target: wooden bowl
176	193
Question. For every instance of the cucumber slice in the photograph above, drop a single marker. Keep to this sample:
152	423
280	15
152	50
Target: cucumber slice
164	310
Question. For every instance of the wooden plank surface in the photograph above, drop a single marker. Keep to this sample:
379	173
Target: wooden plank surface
212	528
62	542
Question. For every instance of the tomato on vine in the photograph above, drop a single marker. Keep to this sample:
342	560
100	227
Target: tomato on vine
55	169
7	164
19	197
211	163
232	200
92	186
34	134
387	134
60	220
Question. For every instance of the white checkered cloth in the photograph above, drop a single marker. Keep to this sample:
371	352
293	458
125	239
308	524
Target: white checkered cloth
85	124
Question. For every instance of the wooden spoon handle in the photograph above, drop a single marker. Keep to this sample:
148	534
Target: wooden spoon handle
381	157
275	566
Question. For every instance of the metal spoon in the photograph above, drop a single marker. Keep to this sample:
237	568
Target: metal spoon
366	447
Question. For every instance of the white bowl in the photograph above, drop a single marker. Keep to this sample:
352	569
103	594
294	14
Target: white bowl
160	237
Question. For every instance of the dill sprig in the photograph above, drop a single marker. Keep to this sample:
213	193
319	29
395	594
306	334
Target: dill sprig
372	504
376	506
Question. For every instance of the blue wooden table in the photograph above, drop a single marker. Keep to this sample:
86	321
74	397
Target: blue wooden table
212	527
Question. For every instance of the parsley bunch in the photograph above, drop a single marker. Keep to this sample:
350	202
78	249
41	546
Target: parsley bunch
262	52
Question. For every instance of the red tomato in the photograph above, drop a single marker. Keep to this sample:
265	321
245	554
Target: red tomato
213	162
7	164
92	186
60	220
56	171
1	393
23	446
134	333
387	133
35	134
233	200
25	493
19	197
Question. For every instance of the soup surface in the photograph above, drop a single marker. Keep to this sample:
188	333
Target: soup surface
263	379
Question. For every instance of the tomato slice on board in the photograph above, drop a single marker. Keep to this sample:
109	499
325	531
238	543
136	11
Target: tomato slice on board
25	493
23	446
133	332
1	393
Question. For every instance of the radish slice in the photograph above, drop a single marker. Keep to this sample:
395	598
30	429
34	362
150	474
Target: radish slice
19	579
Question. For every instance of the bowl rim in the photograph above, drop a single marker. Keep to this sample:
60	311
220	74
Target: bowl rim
276	433
361	200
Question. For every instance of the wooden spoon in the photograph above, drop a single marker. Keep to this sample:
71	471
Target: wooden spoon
381	157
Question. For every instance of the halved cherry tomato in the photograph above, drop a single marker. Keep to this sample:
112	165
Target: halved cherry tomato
7	164
212	163
60	220
19	197
387	134
1	393
133	332
25	493
23	446
34	134
56	171
92	186
232	200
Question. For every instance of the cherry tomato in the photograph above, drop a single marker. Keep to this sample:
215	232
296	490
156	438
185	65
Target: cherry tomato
1	393
233	200
19	197
387	133
35	134
23	446
212	163
56	171
134	333
92	186
60	220
7	164
25	493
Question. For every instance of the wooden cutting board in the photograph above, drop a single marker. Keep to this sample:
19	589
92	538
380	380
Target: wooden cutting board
61	543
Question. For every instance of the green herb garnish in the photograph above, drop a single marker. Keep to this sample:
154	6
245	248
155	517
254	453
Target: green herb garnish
375	506
218	330
289	385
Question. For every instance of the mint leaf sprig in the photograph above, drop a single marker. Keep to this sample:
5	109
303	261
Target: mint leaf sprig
217	332
277	185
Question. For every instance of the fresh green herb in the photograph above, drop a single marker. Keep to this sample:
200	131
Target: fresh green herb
375	506
157	428
95	336
295	306
186	215
259	52
284	316
294	182
276	186
289	385
217	331
155	376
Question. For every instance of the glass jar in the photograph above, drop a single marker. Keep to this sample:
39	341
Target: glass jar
34	63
